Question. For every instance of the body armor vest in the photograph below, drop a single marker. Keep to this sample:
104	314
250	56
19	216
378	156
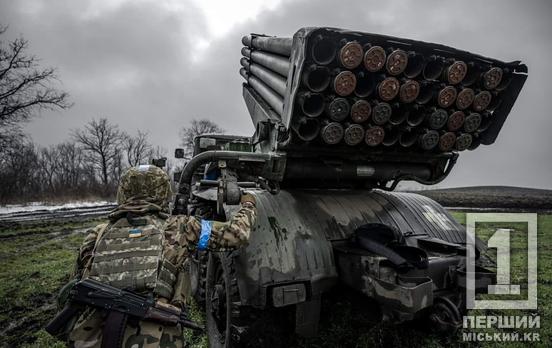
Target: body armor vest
129	255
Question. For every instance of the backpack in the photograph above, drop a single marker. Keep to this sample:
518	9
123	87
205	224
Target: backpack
129	255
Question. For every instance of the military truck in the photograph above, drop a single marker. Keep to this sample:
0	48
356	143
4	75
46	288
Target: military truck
341	117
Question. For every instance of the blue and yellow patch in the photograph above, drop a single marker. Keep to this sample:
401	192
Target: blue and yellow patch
135	233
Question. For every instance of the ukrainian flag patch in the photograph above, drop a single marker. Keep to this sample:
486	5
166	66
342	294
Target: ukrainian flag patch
135	233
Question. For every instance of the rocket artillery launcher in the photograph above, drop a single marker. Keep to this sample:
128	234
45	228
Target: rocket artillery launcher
414	80
341	117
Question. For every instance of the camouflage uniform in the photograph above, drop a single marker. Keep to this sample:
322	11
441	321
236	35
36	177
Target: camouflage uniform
143	196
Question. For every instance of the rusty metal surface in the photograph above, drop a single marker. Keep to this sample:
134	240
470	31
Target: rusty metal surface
374	58
456	121
350	55
374	135
354	134
344	83
396	62
409	91
388	88
456	72
465	98
360	111
446	97
482	100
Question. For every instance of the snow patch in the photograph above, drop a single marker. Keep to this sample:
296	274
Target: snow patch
41	206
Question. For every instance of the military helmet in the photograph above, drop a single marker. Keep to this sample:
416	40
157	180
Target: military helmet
144	182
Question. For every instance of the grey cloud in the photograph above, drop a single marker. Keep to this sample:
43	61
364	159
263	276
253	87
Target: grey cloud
133	64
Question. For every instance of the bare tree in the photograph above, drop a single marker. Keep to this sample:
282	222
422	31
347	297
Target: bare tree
197	127
19	171
71	172
49	166
137	148
25	87
101	141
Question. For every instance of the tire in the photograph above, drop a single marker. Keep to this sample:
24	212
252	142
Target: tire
221	302
198	276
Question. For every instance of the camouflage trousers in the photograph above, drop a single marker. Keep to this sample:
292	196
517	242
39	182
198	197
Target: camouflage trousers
87	333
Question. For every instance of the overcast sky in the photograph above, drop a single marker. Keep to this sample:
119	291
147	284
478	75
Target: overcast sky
155	65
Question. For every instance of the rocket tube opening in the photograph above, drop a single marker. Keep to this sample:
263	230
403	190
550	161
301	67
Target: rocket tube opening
307	129
506	80
407	138
426	92
323	50
317	78
312	104
415	117
415	65
433	68
399	115
473	74
365	84
391	137
485	122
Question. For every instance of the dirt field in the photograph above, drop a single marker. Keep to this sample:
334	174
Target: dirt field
517	198
36	259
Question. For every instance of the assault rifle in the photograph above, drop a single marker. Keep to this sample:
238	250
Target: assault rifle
89	292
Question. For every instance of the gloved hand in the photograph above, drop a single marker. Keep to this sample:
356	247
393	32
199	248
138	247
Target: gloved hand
247	197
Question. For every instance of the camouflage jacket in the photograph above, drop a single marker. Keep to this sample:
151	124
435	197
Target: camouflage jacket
182	232
182	235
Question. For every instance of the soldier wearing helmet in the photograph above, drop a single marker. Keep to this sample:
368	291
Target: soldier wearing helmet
142	249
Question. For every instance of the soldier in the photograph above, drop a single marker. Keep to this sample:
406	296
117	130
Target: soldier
144	250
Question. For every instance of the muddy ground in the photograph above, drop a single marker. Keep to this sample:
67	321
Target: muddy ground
37	257
516	198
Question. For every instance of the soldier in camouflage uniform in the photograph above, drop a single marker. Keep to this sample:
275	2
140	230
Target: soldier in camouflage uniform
145	250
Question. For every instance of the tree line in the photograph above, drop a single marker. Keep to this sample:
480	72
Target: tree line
89	164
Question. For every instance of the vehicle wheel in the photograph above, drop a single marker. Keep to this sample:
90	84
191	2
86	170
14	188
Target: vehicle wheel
444	316
222	302
229	323
198	276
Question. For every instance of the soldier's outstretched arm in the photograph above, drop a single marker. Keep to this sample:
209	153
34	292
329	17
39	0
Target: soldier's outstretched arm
215	235
233	233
